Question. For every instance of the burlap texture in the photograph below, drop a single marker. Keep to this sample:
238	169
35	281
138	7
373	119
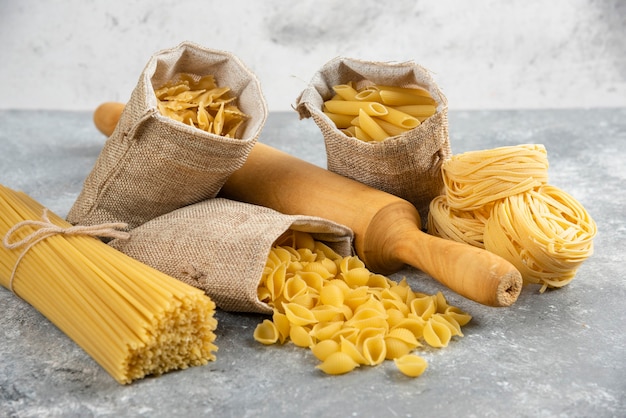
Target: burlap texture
407	165
152	164
221	246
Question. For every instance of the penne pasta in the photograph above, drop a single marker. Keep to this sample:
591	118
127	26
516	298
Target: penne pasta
345	91
352	107
371	128
418	111
398	98
390	128
341	121
399	118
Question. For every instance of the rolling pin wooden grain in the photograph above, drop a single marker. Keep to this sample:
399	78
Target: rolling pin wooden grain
386	228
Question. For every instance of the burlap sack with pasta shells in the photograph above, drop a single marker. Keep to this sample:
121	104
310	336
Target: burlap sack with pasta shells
221	246
407	165
152	164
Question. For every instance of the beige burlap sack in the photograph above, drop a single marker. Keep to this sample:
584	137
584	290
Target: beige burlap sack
407	165
152	164
221	246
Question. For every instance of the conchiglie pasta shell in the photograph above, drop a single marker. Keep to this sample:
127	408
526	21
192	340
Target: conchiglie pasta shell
282	325
461	317
319	268
450	322
326	330
303	240
349	333
394	316
330	266
327	313
294	254
338	363
415	325
441	302
307	300
294	286
374	350
366	333
300	336
411	365
324	251
397	305
294	267
437	334
332	295
372	303
356	277
368	318
390	294
405	335
357	297
350	263
306	255
314	280
378	281
266	332
342	285
423	307
323	349
276	281
283	254
264	294
395	348
298	314
348	347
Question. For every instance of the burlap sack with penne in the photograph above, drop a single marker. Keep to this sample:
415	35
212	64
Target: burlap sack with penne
190	122
221	246
384	124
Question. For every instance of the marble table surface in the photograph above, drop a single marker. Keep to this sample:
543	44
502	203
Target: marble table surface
561	353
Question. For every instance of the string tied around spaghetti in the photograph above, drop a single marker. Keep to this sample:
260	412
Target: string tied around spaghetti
44	228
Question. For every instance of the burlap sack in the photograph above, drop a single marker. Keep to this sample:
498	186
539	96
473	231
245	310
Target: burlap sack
407	165
153	164
221	246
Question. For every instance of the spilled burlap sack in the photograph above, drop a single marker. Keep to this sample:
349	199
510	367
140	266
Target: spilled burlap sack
407	165
221	246
152	164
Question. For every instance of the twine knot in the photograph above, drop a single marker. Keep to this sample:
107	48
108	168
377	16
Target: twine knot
45	228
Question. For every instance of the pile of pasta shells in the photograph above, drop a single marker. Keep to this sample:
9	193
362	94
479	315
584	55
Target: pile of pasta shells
500	200
346	315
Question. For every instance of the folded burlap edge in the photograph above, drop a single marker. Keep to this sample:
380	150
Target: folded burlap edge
221	246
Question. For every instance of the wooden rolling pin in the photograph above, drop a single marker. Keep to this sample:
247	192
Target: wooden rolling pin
386	228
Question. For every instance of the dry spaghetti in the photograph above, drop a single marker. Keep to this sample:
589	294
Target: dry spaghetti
131	319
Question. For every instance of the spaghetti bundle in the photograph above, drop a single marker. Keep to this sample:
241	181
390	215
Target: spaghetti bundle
499	200
133	320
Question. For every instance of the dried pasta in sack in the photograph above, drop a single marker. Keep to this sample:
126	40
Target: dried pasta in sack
400	136
170	148
131	319
221	246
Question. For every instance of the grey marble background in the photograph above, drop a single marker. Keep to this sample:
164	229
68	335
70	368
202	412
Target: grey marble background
485	54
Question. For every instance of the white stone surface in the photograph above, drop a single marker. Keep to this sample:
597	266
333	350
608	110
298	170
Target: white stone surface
75	54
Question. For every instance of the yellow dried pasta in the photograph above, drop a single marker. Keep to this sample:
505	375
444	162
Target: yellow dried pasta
373	113
199	102
499	200
346	315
